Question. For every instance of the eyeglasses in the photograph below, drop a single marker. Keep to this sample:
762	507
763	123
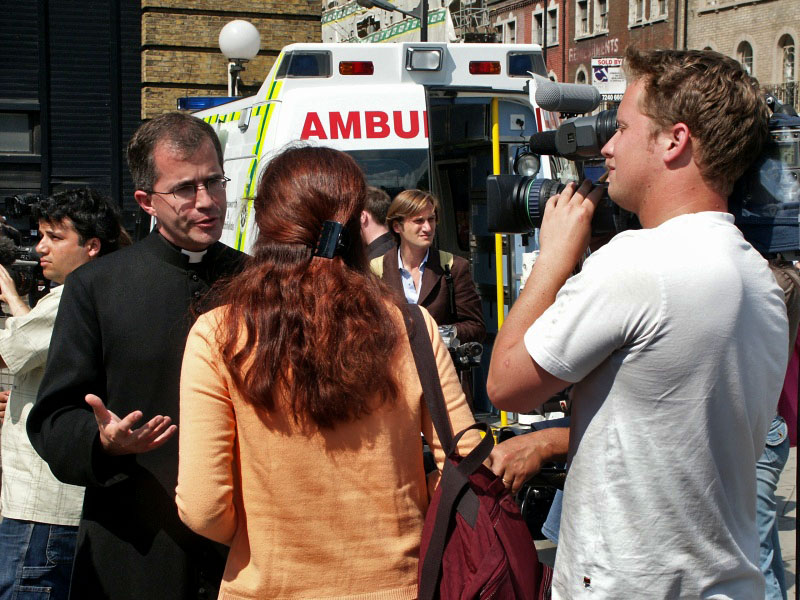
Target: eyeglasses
188	192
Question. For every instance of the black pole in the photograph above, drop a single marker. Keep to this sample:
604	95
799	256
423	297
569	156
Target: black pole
544	32
423	22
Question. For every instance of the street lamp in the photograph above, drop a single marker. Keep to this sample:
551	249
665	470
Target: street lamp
421	13
239	41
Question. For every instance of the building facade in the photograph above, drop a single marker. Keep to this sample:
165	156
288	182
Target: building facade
180	48
761	34
528	22
78	78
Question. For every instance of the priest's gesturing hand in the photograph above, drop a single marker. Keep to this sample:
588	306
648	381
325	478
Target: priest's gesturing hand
118	436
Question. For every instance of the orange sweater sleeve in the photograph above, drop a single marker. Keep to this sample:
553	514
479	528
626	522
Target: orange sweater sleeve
207	434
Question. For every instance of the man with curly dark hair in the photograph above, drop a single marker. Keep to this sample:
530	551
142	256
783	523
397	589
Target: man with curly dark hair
40	514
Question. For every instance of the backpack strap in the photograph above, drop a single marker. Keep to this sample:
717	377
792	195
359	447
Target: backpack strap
456	494
446	260
376	265
425	362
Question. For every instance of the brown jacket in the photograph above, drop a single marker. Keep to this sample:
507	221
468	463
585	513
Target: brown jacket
433	293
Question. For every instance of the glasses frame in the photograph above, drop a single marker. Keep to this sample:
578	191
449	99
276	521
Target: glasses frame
203	185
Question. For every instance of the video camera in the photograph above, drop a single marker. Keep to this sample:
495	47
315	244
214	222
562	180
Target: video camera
465	356
764	202
17	246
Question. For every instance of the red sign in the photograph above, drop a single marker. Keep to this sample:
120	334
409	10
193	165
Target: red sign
371	124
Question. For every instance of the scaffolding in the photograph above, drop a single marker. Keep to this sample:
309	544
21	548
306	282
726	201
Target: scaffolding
471	21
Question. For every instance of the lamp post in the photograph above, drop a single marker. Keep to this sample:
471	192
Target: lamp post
421	13
239	41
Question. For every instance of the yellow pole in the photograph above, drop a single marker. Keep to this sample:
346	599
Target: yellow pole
498	239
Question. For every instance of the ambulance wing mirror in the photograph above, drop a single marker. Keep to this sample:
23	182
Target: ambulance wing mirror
571	98
244	119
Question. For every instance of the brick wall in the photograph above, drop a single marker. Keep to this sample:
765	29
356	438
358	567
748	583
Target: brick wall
724	24
652	32
180	51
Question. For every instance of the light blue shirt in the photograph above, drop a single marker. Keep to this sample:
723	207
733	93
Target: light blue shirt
411	293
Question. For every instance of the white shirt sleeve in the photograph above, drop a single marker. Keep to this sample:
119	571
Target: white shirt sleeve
614	302
25	341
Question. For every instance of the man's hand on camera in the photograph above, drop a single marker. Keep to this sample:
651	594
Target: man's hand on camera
8	294
519	458
118	435
567	226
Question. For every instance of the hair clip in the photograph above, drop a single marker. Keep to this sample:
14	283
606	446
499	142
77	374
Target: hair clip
334	240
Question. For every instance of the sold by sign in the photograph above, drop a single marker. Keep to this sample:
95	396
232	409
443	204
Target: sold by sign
608	78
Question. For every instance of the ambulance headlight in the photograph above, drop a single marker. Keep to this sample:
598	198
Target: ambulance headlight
526	164
423	59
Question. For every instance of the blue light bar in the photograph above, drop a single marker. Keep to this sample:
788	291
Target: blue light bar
195	103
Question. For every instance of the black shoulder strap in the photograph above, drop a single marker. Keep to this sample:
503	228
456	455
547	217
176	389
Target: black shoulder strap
425	361
451	291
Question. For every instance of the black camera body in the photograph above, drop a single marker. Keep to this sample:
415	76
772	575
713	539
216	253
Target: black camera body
22	263
765	201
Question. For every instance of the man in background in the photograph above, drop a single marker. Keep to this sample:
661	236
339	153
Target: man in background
374	232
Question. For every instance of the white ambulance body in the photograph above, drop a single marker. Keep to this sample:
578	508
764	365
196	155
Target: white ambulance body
380	103
413	115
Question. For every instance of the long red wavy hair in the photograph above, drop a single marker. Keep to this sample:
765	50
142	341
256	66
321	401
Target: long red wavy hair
316	330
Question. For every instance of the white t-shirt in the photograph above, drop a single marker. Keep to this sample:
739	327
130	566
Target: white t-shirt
676	340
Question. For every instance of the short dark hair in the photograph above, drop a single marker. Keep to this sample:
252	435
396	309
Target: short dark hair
377	204
92	216
182	132
714	96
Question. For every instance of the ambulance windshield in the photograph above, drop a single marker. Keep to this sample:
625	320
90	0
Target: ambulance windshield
394	170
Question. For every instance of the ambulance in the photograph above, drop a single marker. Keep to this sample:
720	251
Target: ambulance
434	116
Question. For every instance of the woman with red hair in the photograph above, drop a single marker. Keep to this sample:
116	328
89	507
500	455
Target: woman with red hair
301	408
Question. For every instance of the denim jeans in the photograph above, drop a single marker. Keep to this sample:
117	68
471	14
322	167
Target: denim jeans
35	560
768	472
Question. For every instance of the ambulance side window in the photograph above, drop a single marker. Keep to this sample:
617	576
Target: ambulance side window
305	64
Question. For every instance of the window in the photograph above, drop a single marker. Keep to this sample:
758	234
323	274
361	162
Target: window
745	55
786	45
580	77
662	8
582	18
552	26
17	133
510	34
636	12
538	29
601	15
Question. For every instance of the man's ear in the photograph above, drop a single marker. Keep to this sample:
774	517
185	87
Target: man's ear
397	226
364	219
93	246
676	143
145	200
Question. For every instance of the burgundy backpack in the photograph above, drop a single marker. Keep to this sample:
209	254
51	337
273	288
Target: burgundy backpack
475	544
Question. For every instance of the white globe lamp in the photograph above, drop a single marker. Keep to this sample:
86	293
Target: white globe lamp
239	41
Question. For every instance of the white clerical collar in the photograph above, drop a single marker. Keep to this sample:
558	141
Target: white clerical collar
194	257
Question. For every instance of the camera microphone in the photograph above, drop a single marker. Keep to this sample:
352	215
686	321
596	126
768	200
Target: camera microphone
574	98
7	253
543	142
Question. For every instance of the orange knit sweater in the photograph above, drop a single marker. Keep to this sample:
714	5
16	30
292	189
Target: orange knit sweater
334	514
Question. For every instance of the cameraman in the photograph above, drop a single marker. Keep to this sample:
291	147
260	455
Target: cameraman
40	514
674	336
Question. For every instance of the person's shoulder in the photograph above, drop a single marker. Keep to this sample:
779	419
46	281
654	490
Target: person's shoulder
109	266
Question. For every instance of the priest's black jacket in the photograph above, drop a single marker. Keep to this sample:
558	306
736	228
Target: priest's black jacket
120	333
